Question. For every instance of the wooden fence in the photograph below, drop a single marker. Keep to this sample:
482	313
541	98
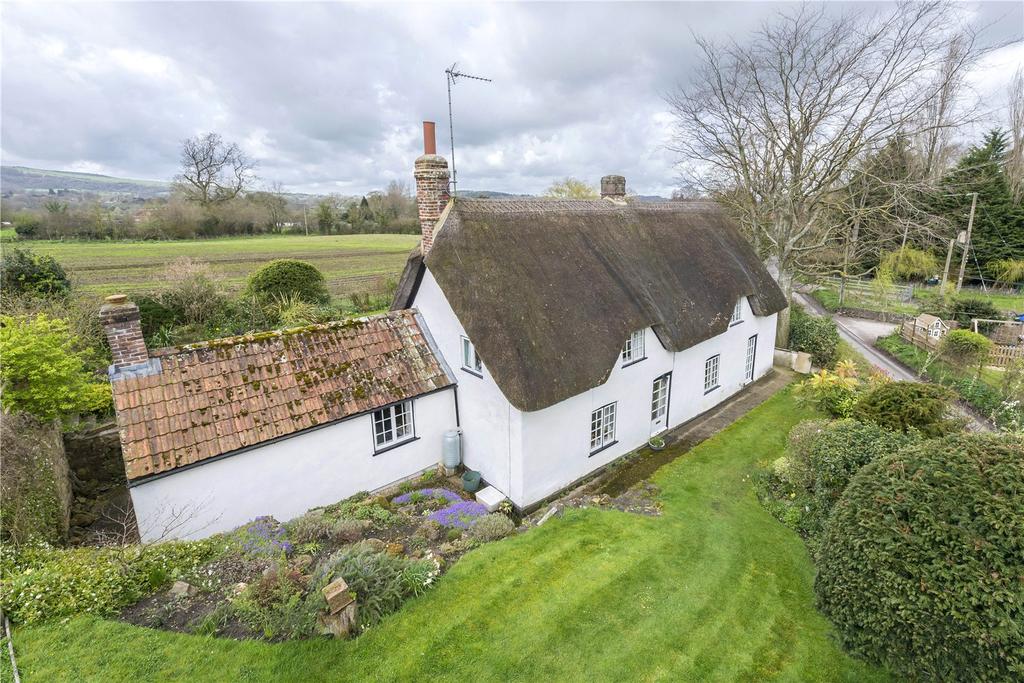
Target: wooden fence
871	289
1002	355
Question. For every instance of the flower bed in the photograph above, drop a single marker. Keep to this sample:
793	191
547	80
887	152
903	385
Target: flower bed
459	515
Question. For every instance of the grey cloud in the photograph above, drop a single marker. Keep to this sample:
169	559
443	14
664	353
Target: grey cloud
329	97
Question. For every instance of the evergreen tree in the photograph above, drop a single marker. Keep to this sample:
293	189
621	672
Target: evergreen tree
998	232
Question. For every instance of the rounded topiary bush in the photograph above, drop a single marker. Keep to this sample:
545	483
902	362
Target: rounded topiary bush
289	278
902	406
921	566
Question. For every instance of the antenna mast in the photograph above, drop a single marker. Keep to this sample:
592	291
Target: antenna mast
452	74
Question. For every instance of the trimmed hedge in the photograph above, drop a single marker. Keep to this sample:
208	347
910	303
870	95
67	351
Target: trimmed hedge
816	336
289	278
921	565
902	406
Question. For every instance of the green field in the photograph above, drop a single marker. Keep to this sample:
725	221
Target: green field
351	263
924	297
713	590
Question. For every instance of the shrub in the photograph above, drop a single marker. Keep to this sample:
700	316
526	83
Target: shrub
966	348
42	582
902	406
380	582
155	316
279	605
963	309
24	272
920	565
821	457
832	392
358	507
288	277
491	528
42	372
816	336
192	293
910	264
317	527
262	537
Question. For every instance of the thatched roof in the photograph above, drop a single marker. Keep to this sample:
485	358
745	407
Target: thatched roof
549	290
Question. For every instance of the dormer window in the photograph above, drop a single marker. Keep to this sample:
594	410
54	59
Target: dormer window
470	361
633	351
737	313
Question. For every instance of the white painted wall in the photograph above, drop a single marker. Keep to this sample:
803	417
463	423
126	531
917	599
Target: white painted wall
492	427
286	478
556	440
532	455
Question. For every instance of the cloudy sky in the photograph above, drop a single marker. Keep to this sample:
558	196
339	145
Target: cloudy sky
329	97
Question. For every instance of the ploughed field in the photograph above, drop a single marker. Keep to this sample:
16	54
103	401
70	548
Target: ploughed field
714	589
350	263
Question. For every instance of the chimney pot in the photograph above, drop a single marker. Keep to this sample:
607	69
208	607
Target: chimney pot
429	138
613	187
117	299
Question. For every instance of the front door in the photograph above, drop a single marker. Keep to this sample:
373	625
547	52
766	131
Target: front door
659	403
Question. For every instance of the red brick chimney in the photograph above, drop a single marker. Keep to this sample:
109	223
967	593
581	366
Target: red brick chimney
122	325
431	173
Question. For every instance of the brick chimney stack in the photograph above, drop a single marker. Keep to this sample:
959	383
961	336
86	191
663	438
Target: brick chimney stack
613	187
122	325
431	173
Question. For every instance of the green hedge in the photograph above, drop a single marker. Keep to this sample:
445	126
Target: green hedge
921	564
289	278
817	336
905	406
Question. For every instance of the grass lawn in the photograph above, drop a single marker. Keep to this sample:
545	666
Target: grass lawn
715	589
351	263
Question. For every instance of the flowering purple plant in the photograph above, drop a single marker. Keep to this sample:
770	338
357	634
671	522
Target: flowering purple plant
459	515
445	494
263	537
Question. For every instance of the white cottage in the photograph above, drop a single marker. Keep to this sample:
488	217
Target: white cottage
558	335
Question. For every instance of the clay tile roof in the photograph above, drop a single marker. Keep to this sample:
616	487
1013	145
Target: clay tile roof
216	397
550	289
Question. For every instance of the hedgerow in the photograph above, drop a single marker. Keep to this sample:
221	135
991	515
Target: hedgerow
921	568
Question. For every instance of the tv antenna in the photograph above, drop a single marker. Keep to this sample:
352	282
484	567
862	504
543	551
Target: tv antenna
453	74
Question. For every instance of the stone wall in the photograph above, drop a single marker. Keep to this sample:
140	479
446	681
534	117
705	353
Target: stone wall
35	490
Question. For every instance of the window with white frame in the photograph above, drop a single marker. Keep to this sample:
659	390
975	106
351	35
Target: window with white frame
737	313
471	361
711	373
392	425
634	348
602	427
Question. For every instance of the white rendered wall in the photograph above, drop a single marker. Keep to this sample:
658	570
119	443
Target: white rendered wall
286	478
556	440
491	438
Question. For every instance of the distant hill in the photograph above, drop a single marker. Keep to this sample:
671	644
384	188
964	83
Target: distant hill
22	179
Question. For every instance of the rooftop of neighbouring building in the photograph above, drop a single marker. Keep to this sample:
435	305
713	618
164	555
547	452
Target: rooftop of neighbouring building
208	399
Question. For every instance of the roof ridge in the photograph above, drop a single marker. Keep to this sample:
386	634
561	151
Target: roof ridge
252	337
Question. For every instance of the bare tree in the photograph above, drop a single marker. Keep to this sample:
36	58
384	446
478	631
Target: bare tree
213	171
274	203
1015	162
773	126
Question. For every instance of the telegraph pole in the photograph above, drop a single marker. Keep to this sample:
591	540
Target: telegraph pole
967	243
945	271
